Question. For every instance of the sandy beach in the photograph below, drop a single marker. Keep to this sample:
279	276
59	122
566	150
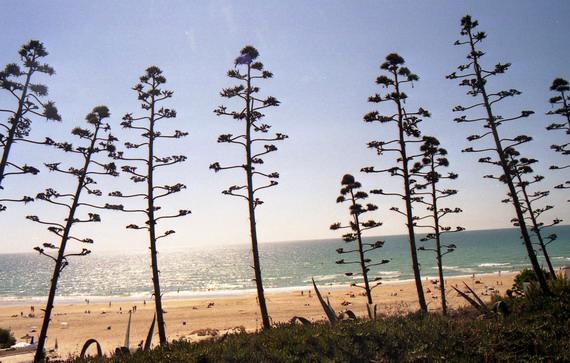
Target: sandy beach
194	319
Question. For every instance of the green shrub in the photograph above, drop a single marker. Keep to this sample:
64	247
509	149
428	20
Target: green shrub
527	275
6	338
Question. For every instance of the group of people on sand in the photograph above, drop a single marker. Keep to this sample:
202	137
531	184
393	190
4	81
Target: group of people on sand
31	314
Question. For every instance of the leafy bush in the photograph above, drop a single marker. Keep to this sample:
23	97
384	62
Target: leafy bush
6	338
534	301
527	275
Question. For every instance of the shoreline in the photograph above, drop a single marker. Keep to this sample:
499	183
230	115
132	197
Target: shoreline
200	318
212	294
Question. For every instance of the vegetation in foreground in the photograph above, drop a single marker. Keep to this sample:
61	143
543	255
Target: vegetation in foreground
7	338
536	328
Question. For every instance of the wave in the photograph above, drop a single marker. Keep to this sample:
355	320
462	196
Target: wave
493	264
459	269
217	286
382	274
274	278
324	277
388	273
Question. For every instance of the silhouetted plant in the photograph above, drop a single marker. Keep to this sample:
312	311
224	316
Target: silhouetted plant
98	140
350	193
520	167
327	306
475	78
434	158
472	298
88	344
7	338
17	80
561	101
151	94
251	115
408	133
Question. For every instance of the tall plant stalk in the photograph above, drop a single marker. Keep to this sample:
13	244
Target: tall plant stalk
58	253
251	115
350	193
408	133
562	103
434	158
18	81
476	79
522	166
151	94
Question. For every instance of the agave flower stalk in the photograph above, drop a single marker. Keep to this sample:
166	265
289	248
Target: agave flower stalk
434	158
255	132
406	123
562	103
151	94
475	77
521	167
18	80
99	140
350	193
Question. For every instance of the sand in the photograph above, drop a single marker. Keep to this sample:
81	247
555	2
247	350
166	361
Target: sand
188	319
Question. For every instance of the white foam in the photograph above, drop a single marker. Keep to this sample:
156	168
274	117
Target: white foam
459	269
324	277
493	264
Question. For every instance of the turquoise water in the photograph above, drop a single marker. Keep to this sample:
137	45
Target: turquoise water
286	265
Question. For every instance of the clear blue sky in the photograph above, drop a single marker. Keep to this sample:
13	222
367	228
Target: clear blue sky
325	57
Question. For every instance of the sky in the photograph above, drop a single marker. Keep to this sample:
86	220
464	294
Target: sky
325	56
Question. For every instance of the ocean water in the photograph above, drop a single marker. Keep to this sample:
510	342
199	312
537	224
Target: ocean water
287	265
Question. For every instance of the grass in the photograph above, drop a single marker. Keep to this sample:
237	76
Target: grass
536	330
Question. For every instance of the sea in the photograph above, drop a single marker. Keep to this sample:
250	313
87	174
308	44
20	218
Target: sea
286	266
